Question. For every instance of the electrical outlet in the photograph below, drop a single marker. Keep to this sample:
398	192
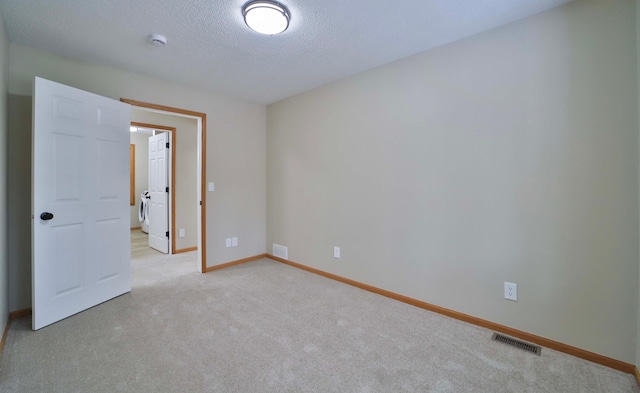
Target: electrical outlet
181	232
234	242
336	252
228	242
511	291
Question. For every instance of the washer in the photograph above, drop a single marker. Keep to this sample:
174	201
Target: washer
143	211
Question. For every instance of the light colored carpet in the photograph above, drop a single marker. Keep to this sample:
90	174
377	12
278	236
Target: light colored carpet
268	327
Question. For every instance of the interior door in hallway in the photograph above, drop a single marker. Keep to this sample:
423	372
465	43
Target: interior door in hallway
159	192
80	197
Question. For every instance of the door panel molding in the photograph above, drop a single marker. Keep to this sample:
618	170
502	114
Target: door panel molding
158	187
80	202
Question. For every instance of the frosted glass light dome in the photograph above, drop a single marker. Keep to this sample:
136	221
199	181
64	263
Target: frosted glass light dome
266	17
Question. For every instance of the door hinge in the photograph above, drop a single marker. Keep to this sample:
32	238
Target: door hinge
167	145
167	233
200	203
167	189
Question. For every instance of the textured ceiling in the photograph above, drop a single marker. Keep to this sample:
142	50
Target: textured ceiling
209	45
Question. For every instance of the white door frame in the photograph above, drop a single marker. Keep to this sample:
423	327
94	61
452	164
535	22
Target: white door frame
201	120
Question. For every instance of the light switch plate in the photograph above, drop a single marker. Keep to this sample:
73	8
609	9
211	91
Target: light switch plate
212	186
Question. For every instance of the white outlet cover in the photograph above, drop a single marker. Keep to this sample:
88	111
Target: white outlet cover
181	232
234	242
228	242
336	252
511	291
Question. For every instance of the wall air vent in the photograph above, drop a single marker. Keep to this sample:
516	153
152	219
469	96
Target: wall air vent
525	346
280	251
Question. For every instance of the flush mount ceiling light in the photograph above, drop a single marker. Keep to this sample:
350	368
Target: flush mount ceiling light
266	17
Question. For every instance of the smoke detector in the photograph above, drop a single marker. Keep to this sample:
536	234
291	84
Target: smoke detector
158	40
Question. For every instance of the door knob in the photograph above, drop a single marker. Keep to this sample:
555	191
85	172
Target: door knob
46	216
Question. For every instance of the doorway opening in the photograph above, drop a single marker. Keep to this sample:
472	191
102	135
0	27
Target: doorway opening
140	189
200	119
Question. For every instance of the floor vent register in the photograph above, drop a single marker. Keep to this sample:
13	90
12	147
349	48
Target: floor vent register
525	346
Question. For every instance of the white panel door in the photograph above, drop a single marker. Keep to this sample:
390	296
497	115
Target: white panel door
159	192
80	227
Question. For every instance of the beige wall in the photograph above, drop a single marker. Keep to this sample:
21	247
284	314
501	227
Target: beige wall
186	167
4	264
141	142
637	4
508	156
19	201
236	154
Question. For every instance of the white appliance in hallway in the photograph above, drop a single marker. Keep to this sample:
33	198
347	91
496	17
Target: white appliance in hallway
143	211
158	211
